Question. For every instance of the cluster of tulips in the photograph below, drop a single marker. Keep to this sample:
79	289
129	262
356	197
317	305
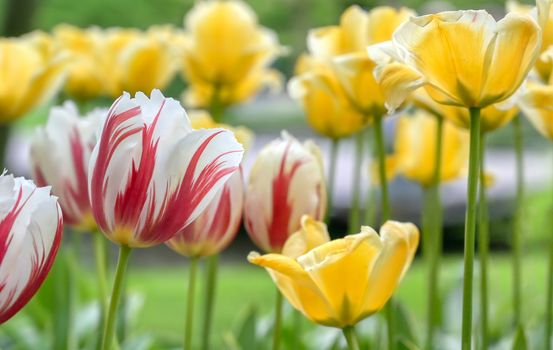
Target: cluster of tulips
144	172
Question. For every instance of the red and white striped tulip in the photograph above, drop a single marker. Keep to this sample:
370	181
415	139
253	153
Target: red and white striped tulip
31	227
217	226
151	174
60	152
286	182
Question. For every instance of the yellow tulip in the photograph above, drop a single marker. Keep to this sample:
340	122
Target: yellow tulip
491	117
200	119
226	54
28	77
338	283
415	149
544	14
537	105
335	82
312	234
462	58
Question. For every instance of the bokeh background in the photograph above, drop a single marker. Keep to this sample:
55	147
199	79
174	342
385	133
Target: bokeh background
158	276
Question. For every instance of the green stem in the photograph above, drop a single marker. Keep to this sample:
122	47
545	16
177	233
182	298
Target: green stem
517	229
381	154
370	207
278	321
100	252
216	107
354	224
470	226
483	246
331	177
433	220
4	137
109	329
351	338
190	304
210	286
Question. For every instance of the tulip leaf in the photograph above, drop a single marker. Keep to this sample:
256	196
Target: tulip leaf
405	333
519	342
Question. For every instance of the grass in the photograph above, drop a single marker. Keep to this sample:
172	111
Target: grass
242	286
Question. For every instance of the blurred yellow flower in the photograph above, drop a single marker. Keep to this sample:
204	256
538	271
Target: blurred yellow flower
335	83
312	234
491	117
415	149
226	54
338	283
462	58
29	76
200	119
111	61
537	105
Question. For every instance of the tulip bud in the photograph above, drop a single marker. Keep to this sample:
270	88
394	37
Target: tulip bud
60	152
286	182
150	174
30	235
217	226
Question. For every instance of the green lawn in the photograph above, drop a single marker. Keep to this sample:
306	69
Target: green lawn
242	286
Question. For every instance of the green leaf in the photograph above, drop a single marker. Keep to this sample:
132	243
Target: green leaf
405	333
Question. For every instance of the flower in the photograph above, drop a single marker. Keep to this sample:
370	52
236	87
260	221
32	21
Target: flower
60	152
461	58
150	174
536	104
200	119
218	224
341	282
30	235
226	54
415	149
491	117
285	183
335	82
29	77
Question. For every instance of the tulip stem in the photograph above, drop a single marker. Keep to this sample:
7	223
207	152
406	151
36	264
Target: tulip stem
432	217
210	286
190	303
100	252
381	154
470	226
109	329
549	302
356	188
351	338
4	137
278	321
517	229
370	208
483	245
331	176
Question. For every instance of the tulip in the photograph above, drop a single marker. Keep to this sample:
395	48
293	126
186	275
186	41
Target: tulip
465	59
414	155
151	175
286	182
60	152
31	231
341	282
226	54
200	119
29	78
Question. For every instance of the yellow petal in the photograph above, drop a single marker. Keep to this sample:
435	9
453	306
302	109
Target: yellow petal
537	105
312	234
297	287
340	268
397	81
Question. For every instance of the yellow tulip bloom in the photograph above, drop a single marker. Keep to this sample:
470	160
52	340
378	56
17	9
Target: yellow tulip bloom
200	119
537	105
491	117
312	234
340	282
28	77
335	82
461	58
226	54
415	149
